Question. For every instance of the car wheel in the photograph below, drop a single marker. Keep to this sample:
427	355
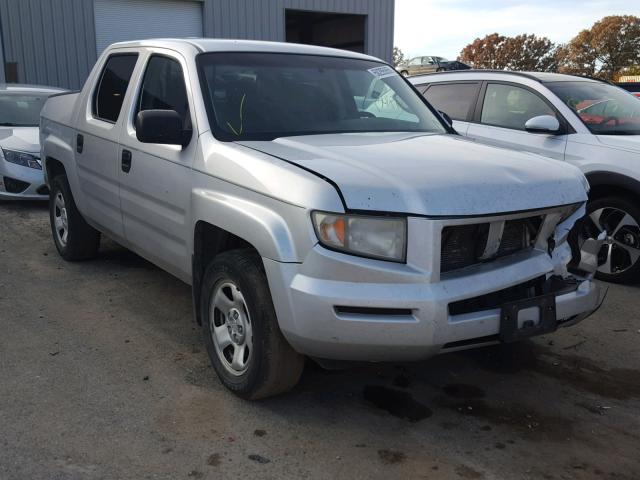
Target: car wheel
240	328
404	73
619	258
74	238
440	69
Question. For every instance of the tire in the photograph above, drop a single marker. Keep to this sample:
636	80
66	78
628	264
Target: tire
74	238
404	73
247	315
622	248
439	69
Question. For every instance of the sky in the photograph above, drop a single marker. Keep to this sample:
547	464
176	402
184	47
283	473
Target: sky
444	27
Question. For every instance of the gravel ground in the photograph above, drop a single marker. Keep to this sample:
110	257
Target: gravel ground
103	375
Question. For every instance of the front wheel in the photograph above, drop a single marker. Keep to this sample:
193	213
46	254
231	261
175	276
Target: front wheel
74	238
240	328
619	258
404	73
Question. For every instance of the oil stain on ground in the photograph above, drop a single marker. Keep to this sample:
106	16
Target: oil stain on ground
396	402
463	391
390	457
579	372
534	425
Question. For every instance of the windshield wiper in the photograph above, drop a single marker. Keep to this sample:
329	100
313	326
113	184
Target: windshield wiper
7	124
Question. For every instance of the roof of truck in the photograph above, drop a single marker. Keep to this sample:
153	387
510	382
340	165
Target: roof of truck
228	45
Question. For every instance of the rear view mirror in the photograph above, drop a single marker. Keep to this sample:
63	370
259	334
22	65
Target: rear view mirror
542	124
160	126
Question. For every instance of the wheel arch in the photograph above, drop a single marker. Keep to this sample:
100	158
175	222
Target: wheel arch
209	241
225	222
53	168
604	183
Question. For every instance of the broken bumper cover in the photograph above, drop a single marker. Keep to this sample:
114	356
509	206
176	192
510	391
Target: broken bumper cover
408	318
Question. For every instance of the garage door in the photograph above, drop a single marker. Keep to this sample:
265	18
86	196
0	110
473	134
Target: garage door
120	20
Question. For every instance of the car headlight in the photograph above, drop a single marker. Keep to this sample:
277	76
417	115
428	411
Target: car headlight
383	238
23	159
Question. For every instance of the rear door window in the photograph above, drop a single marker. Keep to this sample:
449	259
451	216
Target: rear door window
510	106
455	99
112	86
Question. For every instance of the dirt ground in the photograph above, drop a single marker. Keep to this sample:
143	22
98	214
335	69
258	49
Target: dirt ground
103	376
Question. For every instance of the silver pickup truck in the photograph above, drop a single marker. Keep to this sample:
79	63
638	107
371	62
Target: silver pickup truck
315	202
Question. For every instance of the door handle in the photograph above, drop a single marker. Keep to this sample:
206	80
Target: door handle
126	161
79	143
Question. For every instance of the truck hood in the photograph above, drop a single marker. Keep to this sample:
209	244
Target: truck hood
436	175
23	139
626	142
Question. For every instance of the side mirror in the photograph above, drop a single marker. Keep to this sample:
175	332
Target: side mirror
542	124
161	126
446	117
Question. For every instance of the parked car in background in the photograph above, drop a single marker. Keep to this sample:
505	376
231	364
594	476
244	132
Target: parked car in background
591	124
420	65
316	204
20	167
632	87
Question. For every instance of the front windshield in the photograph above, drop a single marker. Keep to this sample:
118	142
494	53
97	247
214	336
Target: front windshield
603	108
263	96
20	110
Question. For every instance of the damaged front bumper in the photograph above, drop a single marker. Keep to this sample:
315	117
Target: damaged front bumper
340	307
361	321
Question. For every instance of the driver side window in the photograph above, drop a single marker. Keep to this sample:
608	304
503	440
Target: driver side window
163	88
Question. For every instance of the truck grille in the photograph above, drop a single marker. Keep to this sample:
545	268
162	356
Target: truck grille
466	245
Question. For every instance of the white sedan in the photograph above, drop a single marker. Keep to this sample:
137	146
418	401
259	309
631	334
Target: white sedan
20	167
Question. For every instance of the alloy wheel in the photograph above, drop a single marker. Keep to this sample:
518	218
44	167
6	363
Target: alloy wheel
621	248
61	221
230	326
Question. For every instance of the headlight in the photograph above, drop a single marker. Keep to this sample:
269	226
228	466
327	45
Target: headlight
374	237
23	159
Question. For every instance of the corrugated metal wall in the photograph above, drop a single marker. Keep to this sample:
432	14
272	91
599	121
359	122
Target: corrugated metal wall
2	80
53	41
264	20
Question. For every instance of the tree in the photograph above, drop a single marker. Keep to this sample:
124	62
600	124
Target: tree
484	52
398	56
523	52
529	53
609	46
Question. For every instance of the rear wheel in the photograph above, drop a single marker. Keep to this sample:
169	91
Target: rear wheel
74	238
404	73
241	333
619	257
440	69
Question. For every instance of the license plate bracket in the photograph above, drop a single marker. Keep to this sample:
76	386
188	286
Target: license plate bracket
510	329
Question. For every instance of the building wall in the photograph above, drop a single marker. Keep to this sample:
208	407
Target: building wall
54	41
1	56
264	20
